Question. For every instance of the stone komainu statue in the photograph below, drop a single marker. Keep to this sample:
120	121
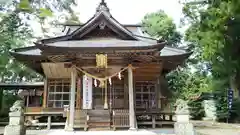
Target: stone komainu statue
182	107
16	120
18	106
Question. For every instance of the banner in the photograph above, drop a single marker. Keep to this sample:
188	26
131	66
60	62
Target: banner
87	92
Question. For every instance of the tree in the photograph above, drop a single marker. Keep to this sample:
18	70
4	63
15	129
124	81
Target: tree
47	14
161	26
186	85
14	34
214	33
214	36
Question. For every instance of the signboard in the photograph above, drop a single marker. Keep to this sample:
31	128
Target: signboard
87	92
230	98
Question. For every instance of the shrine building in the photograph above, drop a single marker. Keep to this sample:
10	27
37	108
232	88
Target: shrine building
103	74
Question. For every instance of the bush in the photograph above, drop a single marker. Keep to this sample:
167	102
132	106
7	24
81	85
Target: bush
7	102
235	111
196	109
221	105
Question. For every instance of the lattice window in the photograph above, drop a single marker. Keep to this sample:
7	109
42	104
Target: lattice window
145	95
58	93
117	94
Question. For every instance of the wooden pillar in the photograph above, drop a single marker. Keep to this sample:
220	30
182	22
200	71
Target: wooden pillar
72	99
125	88
49	123
105	97
79	87
45	91
27	102
153	121
132	117
159	93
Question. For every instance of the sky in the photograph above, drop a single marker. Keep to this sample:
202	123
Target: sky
131	11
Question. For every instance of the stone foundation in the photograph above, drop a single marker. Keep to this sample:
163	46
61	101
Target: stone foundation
15	130
183	128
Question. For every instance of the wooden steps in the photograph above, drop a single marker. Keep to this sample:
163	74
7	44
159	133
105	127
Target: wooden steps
80	120
99	119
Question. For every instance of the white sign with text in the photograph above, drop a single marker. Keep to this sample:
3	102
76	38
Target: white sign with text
87	92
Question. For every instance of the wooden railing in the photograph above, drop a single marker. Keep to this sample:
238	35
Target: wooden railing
155	118
33	113
120	119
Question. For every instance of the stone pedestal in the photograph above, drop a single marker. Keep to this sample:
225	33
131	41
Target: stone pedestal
184	128
16	124
15	130
182	118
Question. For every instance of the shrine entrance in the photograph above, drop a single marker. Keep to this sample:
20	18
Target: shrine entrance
98	98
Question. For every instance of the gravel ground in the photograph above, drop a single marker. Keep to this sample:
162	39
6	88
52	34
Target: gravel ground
200	131
217	131
62	132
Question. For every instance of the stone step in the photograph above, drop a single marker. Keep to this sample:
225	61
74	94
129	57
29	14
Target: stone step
98	112
99	124
80	121
99	129
79	125
99	120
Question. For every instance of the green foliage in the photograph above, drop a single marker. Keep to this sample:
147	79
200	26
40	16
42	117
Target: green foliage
160	25
44	13
214	37
189	86
8	99
235	111
24	5
14	34
221	104
196	109
214	34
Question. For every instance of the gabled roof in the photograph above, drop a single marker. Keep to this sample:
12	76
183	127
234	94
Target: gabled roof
102	19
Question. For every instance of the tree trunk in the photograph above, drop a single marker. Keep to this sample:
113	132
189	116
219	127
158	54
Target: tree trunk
233	86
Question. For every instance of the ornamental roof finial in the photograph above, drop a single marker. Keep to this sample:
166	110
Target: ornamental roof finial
102	6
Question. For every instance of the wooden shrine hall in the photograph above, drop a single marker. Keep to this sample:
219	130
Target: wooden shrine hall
103	73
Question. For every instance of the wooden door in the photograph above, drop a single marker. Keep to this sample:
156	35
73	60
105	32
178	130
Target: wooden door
98	98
